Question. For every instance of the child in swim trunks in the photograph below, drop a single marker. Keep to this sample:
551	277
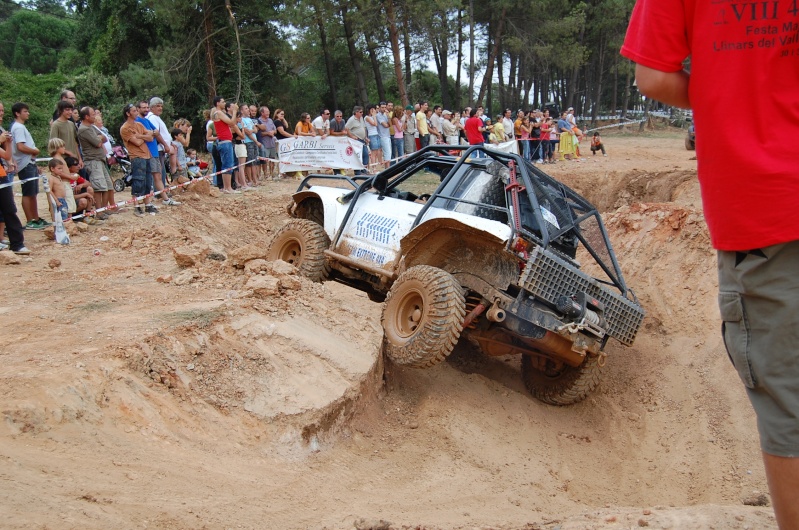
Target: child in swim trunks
59	173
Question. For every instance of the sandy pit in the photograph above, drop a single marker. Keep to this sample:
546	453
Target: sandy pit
158	373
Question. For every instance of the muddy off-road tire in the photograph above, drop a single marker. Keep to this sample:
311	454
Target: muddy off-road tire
302	243
568	386
689	145
422	317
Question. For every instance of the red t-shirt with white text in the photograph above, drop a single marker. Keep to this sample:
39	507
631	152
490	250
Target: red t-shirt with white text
744	61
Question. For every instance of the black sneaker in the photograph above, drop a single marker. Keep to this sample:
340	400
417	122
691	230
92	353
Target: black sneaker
151	209
138	211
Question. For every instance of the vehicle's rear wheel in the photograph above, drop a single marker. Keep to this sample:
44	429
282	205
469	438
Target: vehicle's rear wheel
422	317
302	243
689	144
565	385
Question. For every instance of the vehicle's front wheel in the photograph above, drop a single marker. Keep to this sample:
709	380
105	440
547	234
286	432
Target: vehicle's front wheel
422	317
302	243
565	385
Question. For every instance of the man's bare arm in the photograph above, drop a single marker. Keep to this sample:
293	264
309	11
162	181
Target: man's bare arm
670	88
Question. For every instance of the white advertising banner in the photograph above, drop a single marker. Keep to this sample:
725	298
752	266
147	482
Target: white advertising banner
511	146
312	153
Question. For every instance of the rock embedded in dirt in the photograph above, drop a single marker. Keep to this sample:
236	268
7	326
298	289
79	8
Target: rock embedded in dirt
166	278
263	286
240	256
371	524
186	277
756	499
256	266
281	268
189	256
9	258
217	254
292	283
199	186
54	263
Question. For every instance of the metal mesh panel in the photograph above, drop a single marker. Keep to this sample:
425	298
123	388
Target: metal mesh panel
548	277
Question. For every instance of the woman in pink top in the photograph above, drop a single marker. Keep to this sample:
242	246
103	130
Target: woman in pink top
398	142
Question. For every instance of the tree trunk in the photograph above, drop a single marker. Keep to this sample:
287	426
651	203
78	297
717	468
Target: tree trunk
647	106
501	77
598	83
573	81
440	44
458	100
331	80
406	41
393	36
487	79
471	53
614	101
235	25
210	62
370	46
626	96
362	95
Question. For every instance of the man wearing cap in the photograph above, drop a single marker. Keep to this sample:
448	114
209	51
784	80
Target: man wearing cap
165	147
449	129
409	133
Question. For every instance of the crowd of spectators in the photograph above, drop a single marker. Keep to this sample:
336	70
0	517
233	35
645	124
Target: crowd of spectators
242	141
78	178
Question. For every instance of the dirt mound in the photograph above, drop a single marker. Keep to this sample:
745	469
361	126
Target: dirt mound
164	376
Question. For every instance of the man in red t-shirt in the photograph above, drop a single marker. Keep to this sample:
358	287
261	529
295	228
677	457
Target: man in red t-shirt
474	129
749	195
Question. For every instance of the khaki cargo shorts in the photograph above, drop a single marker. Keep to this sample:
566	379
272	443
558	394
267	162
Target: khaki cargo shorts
759	303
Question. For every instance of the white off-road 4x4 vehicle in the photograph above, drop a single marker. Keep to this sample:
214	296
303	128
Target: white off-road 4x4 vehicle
484	245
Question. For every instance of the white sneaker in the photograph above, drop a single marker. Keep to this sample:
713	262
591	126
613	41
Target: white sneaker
540	160
3	246
22	251
172	202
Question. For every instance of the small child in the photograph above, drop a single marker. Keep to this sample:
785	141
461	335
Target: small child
83	193
57	149
596	144
192	164
59	173
179	169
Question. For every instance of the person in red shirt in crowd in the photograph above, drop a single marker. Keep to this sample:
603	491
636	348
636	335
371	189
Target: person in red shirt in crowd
474	130
749	196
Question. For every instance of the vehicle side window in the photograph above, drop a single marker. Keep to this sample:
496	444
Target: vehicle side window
424	180
477	186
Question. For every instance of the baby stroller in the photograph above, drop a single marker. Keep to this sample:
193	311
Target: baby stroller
120	159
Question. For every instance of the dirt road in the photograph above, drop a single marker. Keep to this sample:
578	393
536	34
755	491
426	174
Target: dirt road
139	393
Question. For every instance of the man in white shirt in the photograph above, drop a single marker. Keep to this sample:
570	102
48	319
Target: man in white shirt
322	123
165	147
